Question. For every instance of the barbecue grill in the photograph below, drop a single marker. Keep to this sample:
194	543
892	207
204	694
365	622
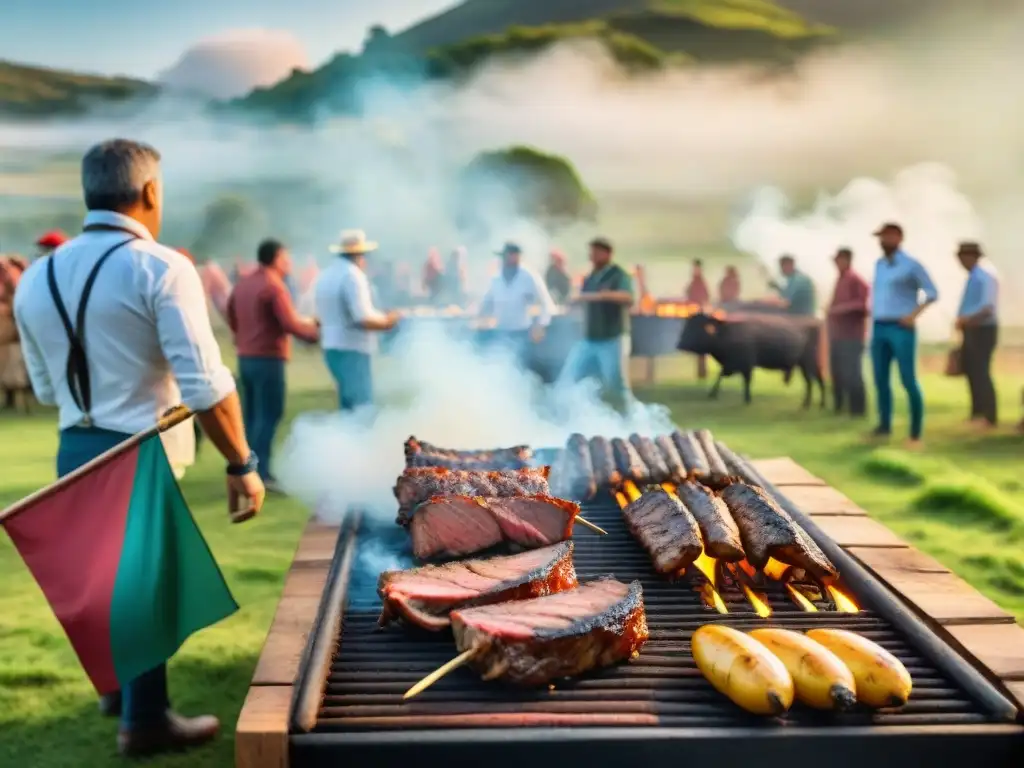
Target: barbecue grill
348	705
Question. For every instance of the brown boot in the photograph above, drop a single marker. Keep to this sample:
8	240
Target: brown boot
176	733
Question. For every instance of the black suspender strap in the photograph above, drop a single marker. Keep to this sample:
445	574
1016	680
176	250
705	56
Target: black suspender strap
78	364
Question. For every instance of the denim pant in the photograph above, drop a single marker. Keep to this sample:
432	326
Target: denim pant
846	367
889	342
144	699
262	384
353	377
607	358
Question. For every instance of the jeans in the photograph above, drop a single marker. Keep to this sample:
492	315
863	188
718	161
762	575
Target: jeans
609	358
352	375
979	346
892	341
846	366
144	699
262	384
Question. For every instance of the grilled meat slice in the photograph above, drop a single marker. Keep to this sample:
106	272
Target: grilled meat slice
670	455
516	457
664	527
718	472
425	596
448	462
606	472
452	526
657	469
630	465
692	454
532	642
768	531
416	485
717	528
573	474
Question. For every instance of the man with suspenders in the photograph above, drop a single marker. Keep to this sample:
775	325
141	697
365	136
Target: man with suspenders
115	331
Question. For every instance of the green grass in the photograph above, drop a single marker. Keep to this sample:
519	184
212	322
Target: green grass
961	501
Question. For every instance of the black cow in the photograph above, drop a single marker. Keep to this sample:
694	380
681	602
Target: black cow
741	344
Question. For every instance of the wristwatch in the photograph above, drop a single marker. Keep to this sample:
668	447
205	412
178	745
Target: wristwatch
250	465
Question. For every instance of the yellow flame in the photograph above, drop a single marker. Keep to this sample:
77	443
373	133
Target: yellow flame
631	490
773	569
844	604
707	566
622	500
758	602
747	568
801	599
669	487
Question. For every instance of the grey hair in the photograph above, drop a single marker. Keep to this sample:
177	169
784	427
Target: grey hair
115	171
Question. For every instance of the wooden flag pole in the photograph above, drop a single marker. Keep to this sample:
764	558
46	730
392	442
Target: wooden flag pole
171	419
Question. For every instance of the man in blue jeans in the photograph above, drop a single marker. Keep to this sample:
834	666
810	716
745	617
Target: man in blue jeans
900	284
607	296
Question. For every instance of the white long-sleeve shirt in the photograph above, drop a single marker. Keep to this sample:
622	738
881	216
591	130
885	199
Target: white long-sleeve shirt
343	300
509	301
148	339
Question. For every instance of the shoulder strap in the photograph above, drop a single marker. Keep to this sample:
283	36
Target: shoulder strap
78	364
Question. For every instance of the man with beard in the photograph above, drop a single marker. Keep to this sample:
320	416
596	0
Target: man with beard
978	321
847	331
796	294
513	292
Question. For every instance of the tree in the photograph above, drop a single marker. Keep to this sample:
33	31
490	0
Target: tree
232	225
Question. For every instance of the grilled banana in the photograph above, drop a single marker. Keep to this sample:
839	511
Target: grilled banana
742	669
881	679
820	678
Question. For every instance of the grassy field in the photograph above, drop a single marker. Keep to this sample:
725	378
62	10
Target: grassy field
962	500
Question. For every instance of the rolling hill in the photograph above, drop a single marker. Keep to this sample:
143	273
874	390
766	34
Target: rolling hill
40	92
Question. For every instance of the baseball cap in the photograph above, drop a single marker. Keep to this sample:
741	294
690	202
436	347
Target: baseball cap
889	226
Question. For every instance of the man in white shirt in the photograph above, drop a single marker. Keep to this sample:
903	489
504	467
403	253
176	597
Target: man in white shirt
349	322
144	345
513	293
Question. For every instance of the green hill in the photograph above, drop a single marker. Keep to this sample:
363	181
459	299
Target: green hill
39	92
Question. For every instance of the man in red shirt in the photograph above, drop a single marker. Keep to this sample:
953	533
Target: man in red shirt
262	318
697	293
847	331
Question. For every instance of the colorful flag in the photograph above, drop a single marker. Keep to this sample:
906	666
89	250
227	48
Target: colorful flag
123	564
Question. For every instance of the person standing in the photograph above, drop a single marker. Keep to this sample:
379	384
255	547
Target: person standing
147	346
697	293
263	319
607	295
900	281
349	321
796	294
729	288
978	321
557	278
847	332
50	242
512	294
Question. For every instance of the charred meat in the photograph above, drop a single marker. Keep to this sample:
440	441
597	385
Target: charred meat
670	455
574	471
452	526
666	529
717	528
691	453
658	471
717	470
532	642
425	596
419	453
606	472
417	485
630	465
768	531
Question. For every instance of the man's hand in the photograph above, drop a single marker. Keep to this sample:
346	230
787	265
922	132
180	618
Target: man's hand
537	334
961	323
909	321
245	496
392	318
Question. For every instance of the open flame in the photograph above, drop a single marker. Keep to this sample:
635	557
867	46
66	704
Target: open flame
631	490
683	310
800	599
844	603
709	568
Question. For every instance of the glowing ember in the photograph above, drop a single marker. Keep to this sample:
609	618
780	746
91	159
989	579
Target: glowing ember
631	490
670	309
801	599
623	502
708	567
669	487
747	568
843	602
775	570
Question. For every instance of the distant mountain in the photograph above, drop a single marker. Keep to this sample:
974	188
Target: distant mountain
40	92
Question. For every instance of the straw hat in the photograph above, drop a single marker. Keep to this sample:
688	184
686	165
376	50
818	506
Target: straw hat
354	242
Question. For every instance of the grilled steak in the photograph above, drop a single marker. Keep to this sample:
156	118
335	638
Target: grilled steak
664	527
425	596
451	526
573	474
516	457
718	472
658	471
670	455
417	485
692	454
630	465
717	528
606	473
532	642
767	531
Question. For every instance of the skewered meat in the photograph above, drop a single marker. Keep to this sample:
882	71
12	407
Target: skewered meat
768	531
451	526
692	454
717	528
658	471
606	472
480	465
532	642
717	470
630	465
414	486
425	596
664	527
573	473
670	454
422	453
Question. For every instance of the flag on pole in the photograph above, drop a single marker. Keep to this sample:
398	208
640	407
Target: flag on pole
122	563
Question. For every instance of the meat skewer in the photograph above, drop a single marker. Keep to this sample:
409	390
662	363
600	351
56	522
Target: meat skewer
425	596
718	472
666	529
630	465
658	471
768	531
574	470
692	454
602	457
417	485
531	642
718	530
670	454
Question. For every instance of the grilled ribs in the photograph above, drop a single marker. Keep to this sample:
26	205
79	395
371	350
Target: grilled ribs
532	642
417	485
419	453
666	529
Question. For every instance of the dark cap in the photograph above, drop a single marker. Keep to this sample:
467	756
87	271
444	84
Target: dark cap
603	243
784	258
889	226
509	249
969	248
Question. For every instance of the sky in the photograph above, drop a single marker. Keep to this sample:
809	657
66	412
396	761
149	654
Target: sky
142	39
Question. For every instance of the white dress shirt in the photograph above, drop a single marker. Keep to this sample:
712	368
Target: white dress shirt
148	339
509	301
343	300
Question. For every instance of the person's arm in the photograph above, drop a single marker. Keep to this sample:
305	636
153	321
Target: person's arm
547	304
359	299
927	287
35	363
989	293
229	313
284	311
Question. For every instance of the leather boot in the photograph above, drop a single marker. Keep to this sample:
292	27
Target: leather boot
175	734
110	705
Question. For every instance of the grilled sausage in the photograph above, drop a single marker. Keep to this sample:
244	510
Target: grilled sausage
576	470
718	530
692	454
718	472
669	452
629	462
658	471
602	457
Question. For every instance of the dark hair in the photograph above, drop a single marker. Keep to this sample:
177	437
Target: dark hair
845	252
698	263
268	251
602	243
786	258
